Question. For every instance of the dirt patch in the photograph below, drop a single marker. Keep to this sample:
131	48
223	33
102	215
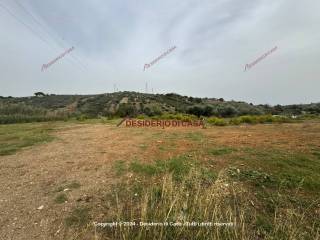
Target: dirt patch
83	155
294	137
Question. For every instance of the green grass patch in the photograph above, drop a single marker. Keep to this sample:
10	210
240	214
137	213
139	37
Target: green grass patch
248	119
73	185
257	178
208	176
178	166
15	137
146	169
119	167
78	217
61	198
288	169
317	154
217	121
195	136
143	146
220	151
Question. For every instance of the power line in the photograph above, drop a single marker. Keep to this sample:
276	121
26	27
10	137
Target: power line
13	15
44	29
24	24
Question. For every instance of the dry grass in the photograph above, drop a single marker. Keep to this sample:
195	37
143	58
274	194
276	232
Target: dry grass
193	200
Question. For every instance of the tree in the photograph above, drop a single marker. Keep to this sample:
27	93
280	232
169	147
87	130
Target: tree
207	111
125	110
195	110
39	94
227	111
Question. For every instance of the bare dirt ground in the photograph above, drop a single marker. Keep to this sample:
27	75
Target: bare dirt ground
84	153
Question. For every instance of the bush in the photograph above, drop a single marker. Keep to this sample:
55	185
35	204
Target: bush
227	111
126	110
259	119
235	121
196	110
82	117
20	118
248	119
180	116
216	121
141	116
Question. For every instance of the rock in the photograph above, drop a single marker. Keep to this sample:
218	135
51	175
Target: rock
41	207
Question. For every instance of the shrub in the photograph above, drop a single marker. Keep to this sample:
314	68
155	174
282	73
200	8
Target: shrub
180	116
216	121
227	111
248	119
234	121
259	119
82	117
141	116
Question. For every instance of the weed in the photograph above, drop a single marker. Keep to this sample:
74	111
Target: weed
220	151
195	136
79	217
317	154
178	166
216	121
257	178
143	146
119	167
208	176
142	168
61	198
71	185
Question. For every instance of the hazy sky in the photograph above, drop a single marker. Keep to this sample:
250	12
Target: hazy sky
113	40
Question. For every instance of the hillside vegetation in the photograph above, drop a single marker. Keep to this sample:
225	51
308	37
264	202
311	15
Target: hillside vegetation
44	107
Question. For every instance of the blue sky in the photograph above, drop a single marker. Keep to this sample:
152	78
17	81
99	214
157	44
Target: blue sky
113	40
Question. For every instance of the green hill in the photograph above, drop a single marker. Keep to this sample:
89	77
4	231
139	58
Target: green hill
43	107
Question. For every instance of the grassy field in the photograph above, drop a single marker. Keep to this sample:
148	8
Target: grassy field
16	136
262	180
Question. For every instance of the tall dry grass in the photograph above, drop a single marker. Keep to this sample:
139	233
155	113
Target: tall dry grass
179	202
194	200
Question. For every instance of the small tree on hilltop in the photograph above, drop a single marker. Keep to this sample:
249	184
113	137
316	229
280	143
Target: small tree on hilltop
39	94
